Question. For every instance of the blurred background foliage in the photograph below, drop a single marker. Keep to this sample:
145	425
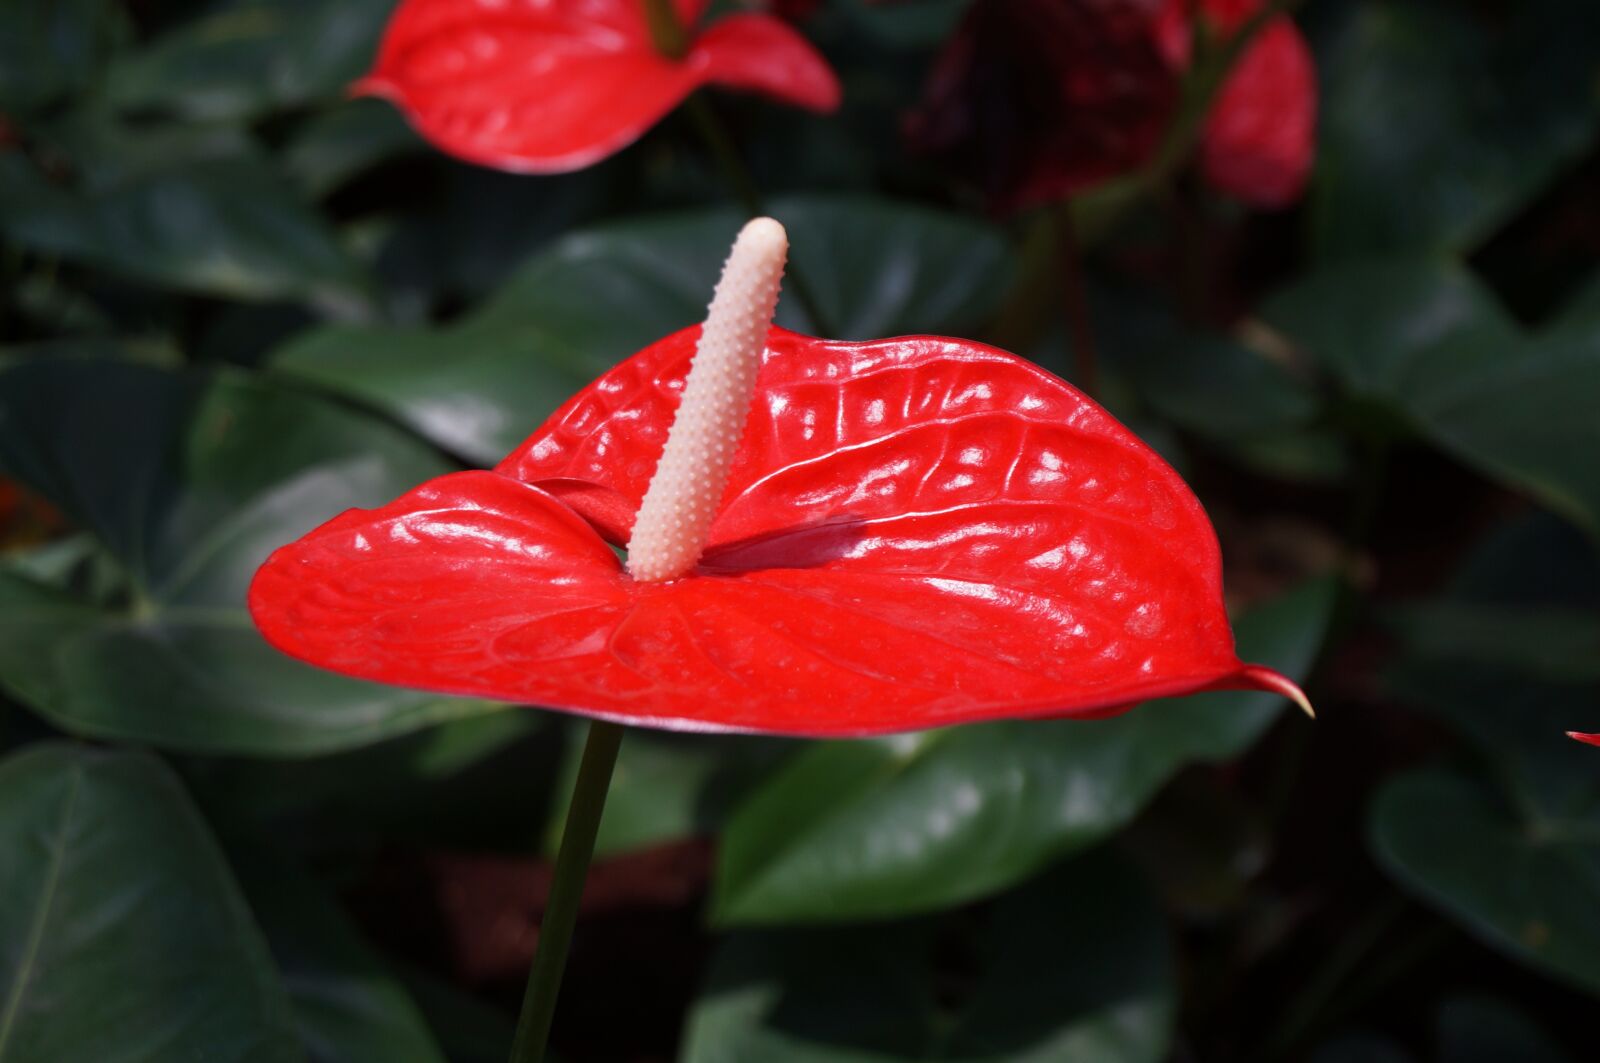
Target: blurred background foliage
236	302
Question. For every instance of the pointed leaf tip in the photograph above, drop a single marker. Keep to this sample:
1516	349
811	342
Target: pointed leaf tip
1264	678
1593	740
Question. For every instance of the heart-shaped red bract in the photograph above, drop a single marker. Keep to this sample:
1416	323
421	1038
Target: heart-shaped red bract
546	86
916	532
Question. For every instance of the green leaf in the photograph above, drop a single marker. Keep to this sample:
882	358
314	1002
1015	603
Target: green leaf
189	480
1526	600
226	226
1514	854
1528	420
921	25
1440	122
1394	329
125	937
480	386
1561	645
1579	316
1213	385
1428	342
1526	883
872	829
51	50
348	1006
1517	724
1071	969
341	142
470	1030
250	58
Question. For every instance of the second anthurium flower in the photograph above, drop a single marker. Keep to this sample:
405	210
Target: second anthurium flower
824	538
547	86
1042	99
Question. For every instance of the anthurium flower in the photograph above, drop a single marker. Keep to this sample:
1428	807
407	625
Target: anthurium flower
547	86
824	538
1041	99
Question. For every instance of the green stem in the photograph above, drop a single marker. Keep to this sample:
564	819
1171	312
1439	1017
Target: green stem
666	32
566	888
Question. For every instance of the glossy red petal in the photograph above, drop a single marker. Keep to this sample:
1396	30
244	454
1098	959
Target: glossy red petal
482	585
1593	740
546	86
918	532
531	87
759	53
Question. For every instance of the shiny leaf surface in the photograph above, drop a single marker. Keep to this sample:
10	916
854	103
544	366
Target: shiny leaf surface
916	533
1444	166
1428	340
853	830
546	88
188	480
1528	420
1394	328
348	1007
880	268
340	143
1528	887
1513	853
125	937
251	58
869	994
222	226
50	50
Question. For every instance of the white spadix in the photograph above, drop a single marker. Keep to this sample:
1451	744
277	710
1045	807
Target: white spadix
675	516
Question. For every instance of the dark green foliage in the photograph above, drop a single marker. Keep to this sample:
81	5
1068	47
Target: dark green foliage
234	302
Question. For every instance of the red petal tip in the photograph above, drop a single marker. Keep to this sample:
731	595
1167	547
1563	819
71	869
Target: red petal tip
1263	678
1593	740
371	85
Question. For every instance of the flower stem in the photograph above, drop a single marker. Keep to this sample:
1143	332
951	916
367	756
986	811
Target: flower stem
561	912
666	32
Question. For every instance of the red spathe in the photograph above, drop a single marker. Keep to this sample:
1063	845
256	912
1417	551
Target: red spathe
547	86
917	532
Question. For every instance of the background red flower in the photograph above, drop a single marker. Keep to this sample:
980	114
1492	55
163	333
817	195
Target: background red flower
1040	99
558	85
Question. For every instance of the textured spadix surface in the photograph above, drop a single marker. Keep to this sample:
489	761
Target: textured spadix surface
915	532
681	501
